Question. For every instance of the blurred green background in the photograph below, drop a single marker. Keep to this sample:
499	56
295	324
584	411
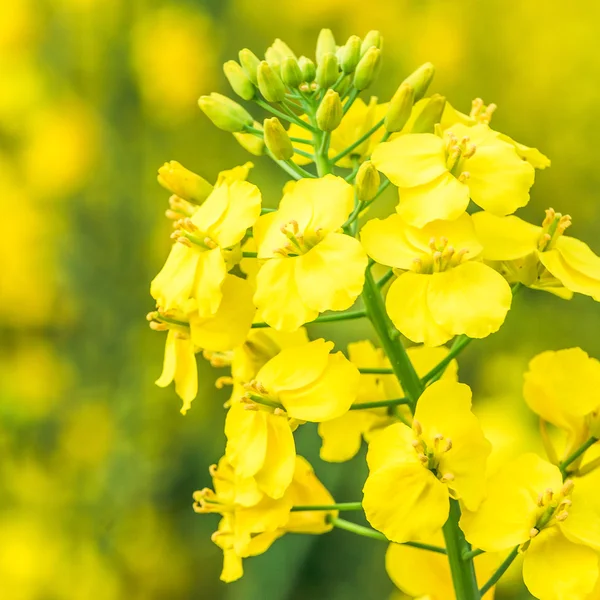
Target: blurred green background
97	465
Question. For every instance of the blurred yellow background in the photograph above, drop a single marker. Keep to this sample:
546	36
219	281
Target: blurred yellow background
98	466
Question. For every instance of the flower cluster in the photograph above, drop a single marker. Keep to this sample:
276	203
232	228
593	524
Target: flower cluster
243	283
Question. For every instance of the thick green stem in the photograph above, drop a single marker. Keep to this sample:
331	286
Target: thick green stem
338	506
501	570
462	571
358	142
321	144
389	338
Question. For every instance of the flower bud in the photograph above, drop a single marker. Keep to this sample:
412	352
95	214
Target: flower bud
343	87
308	69
184	183
224	112
238	80
277	139
367	181
327	70
350	54
367	68
399	108
269	83
329	113
325	44
421	79
373	39
430	115
290	72
249	62
255	144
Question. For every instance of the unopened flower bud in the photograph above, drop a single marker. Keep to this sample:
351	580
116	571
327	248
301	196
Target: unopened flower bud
325	44
224	112
373	39
255	144
277	139
421	79
399	108
269	83
350	54
430	115
344	85
290	72
239	81
184	183
329	113
277	52
367	68
367	181
327	70
249	62
308	69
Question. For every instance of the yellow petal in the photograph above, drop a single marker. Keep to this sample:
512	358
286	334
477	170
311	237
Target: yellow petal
390	446
532	155
442	198
210	274
472	299
212	210
583	523
246	432
277	297
239	173
505	238
328	397
412	159
172	287
331	275
556	569
186	372
232	566
407	306
342	436
568	275
169	362
230	325
420	502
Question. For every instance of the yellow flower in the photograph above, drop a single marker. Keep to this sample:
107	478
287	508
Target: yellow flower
540	257
422	574
356	122
442	290
555	524
309	267
308	382
563	388
342	436
437	174
196	267
414	472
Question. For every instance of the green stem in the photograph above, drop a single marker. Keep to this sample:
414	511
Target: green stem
282	115
366	205
385	278
358	142
577	454
290	168
338	506
249	254
375	535
469	554
376	371
346	316
458	345
265	401
389	338
379	403
321	144
501	570
462	571
305	154
352	96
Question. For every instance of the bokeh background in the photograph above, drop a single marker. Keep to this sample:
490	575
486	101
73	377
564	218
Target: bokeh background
97	465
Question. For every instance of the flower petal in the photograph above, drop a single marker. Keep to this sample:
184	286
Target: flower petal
246	432
172	287
342	436
583	523
568	273
390	446
210	274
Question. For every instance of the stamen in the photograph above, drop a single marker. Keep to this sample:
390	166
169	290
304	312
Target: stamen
447	477
533	532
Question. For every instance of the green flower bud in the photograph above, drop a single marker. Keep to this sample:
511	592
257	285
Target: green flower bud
238	80
269	83
277	139
249	62
344	85
325	44
255	144
430	115
350	54
308	69
399	108
184	183
327	70
224	112
290	72
278	51
373	39
329	113
367	181
367	68
421	79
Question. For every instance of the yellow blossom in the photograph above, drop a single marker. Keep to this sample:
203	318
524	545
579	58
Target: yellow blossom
196	267
309	267
443	455
539	257
554	523
437	174
442	290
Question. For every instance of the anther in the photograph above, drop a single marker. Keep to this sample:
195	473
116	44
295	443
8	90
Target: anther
209	243
184	241
158	326
221	382
212	470
563	516
447	477
416	427
567	487
279	412
448	445
533	532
